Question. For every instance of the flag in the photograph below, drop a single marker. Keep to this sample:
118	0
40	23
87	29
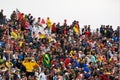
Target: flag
71	53
14	35
25	17
20	43
46	60
21	18
23	23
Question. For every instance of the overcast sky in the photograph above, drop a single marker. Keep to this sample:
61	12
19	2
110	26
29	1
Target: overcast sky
93	12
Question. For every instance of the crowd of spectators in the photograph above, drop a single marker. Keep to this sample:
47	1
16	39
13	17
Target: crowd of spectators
72	52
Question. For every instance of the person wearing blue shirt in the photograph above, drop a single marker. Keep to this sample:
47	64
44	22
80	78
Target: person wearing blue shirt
115	39
76	64
20	56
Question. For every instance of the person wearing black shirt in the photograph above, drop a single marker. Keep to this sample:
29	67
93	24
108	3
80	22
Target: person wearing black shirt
1	17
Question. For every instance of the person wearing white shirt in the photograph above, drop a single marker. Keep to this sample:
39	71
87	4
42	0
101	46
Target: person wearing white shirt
42	76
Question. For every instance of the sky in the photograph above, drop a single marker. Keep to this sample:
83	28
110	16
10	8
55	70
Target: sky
87	12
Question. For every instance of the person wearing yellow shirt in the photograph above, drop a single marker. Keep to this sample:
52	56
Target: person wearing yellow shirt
7	63
41	36
48	22
76	29
48	25
29	65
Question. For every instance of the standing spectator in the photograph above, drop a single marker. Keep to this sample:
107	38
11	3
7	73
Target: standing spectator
58	28
13	18
54	28
64	54
1	17
4	20
48	25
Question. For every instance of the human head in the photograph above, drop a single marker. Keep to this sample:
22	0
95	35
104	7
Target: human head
1	10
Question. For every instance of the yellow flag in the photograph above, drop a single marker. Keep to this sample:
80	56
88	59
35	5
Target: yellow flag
20	43
14	35
71	53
